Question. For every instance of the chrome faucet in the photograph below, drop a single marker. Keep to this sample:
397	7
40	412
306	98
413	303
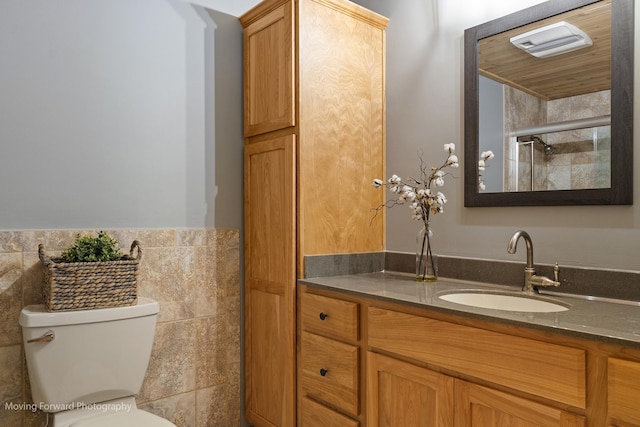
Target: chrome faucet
531	280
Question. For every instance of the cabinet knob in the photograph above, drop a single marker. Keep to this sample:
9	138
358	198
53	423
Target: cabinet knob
323	316
323	372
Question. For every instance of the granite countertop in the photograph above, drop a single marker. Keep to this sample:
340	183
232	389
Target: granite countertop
605	321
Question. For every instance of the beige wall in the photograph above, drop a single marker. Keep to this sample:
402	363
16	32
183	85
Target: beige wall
193	377
424	110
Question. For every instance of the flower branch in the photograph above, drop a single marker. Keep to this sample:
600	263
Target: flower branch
423	200
482	164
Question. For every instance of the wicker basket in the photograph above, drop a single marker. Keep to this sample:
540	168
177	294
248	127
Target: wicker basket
87	285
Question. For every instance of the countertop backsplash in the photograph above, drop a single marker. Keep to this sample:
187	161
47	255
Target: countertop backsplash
615	284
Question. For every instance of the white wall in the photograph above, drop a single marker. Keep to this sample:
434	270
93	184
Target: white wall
108	115
126	114
491	96
425	110
229	7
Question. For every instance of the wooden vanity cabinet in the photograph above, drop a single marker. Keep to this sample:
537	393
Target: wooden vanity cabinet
314	141
497	361
548	371
419	367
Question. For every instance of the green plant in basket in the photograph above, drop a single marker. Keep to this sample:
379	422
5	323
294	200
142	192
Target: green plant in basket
91	249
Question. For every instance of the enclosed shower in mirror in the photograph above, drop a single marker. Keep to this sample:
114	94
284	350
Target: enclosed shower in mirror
561	160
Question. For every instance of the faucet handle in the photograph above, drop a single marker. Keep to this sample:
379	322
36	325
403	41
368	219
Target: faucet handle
546	282
556	272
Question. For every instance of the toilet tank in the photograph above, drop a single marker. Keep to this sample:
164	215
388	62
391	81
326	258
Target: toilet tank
95	355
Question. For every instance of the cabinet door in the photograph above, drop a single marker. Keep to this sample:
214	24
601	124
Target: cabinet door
341	128
269	100
270	281
481	406
623	392
402	394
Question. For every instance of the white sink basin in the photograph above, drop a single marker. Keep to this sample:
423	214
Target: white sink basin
505	301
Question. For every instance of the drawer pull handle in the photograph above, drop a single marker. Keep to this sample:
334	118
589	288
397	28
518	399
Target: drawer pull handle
323	372
47	337
323	316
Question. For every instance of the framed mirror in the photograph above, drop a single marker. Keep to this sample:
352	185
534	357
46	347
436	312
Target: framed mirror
549	91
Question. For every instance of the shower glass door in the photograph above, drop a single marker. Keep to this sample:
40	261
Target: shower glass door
567	160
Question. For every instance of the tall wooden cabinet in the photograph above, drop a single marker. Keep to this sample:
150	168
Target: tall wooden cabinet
314	128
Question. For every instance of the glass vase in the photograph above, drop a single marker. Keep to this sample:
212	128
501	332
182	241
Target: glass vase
426	261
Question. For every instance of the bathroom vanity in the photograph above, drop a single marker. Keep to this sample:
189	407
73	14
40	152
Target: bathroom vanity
381	349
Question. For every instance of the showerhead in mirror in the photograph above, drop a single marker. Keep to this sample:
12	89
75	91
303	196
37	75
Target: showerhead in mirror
548	149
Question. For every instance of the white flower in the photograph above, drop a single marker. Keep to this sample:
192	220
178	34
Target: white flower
407	194
487	155
440	198
416	213
452	161
450	148
438	178
484	156
395	179
377	183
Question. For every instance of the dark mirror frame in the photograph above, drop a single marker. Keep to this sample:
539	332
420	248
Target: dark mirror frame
622	33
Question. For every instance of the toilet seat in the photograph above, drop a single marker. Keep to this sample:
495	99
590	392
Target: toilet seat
133	418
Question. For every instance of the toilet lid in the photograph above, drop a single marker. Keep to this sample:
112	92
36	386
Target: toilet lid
135	418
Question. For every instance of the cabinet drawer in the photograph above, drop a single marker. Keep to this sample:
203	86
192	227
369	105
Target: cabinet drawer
547	370
317	415
330	317
624	391
330	372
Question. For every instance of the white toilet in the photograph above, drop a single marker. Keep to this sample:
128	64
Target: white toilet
85	367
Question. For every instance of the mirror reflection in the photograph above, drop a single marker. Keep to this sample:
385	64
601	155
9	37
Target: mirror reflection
545	107
549	91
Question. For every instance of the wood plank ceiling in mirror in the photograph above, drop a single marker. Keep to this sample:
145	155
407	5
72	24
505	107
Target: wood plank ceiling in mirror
575	73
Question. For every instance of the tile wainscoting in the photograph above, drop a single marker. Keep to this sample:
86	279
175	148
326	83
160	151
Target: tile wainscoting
193	377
